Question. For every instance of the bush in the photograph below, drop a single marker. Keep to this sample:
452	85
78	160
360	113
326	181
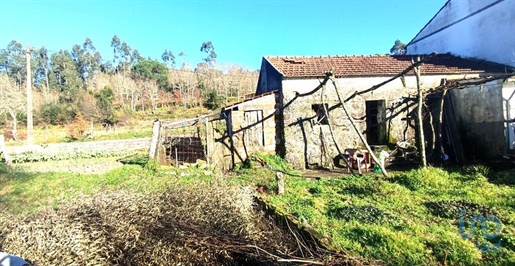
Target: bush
213	101
57	113
78	127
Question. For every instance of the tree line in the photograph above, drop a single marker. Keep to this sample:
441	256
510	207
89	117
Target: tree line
67	82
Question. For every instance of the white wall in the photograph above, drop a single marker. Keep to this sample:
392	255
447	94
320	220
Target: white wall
483	29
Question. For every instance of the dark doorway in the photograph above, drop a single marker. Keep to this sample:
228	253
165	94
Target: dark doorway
376	122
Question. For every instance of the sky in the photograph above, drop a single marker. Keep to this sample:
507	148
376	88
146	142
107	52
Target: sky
242	31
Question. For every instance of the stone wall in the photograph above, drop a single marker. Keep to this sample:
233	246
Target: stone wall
310	144
253	126
90	146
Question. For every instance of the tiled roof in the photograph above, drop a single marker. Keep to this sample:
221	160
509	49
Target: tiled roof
230	106
378	65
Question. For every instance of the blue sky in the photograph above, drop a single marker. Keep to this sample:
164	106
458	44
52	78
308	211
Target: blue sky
242	31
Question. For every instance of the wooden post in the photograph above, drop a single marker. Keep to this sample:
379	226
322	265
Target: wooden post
376	161
280	183
420	125
439	136
30	124
152	154
7	158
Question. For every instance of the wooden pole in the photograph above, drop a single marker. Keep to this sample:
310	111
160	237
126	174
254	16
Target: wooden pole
400	75
376	161
420	125
30	123
7	158
440	148
280	183
323	83
152	154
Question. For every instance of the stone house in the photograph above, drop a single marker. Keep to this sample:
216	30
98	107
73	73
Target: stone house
294	115
251	127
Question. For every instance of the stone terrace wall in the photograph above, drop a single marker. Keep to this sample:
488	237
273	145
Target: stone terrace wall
90	146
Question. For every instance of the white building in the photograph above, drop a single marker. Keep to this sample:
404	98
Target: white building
482	29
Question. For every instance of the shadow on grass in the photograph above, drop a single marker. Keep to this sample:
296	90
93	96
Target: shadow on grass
14	183
135	159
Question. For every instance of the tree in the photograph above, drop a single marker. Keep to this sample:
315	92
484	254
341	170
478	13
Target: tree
15	62
107	68
86	58
213	100
399	48
209	49
127	89
12	100
136	57
78	127
168	59
65	77
123	57
147	70
183	56
41	72
105	99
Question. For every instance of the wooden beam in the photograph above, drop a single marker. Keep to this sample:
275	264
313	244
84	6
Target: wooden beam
331	77
401	74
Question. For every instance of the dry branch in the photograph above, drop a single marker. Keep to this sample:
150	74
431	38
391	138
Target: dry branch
322	84
401	74
376	161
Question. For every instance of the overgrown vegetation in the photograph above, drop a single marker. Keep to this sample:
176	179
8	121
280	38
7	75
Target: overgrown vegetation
420	217
33	157
132	215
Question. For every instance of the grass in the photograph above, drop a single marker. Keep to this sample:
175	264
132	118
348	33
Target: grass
389	219
28	192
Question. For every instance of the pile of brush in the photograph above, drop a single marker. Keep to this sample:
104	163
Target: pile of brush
206	223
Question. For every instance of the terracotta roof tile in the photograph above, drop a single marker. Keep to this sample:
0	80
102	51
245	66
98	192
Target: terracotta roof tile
377	65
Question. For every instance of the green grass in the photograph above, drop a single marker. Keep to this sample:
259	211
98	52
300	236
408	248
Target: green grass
26	192
389	219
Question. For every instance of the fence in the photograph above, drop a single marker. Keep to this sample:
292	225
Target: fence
185	141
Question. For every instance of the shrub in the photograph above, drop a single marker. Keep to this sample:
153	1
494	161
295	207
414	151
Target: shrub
213	100
78	127
57	113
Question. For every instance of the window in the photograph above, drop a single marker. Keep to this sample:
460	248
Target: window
321	116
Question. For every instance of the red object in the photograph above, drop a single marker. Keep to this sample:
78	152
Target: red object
355	155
